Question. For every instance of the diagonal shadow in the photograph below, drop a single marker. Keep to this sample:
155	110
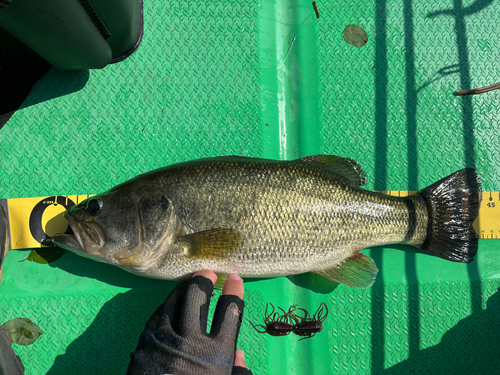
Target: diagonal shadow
441	73
105	346
475	7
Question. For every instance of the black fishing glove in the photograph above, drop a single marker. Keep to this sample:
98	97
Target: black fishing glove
10	363
176	341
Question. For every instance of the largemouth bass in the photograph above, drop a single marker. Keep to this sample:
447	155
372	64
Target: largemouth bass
260	218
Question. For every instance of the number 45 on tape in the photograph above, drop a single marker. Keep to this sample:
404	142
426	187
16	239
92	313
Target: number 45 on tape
487	225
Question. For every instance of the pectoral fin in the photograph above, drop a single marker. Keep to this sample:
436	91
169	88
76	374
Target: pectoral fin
348	168
211	244
357	271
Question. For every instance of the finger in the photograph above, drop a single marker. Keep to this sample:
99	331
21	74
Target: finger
233	286
195	302
240	359
227	318
208	274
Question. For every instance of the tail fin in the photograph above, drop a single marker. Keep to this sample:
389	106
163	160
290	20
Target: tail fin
453	204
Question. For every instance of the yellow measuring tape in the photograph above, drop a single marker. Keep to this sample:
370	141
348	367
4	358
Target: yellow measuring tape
35	221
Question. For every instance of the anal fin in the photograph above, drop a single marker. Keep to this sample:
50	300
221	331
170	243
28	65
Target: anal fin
357	271
221	279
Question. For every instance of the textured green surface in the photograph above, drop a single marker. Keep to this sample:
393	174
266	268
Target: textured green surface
270	79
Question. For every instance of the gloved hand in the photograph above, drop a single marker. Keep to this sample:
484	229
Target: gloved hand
176	341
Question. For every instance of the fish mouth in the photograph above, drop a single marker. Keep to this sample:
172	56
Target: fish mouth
87	237
68	242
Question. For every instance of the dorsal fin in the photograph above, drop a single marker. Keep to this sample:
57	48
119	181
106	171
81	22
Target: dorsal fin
345	167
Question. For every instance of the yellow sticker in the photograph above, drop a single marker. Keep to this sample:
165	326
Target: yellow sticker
35	221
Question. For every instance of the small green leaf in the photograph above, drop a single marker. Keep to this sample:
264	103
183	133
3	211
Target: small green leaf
21	331
355	35
45	255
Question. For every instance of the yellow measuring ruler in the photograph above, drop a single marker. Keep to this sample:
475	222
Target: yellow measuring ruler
33	222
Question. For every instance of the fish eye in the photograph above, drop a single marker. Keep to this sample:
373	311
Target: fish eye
94	206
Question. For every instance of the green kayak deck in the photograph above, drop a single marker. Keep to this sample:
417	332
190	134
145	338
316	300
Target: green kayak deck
271	79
